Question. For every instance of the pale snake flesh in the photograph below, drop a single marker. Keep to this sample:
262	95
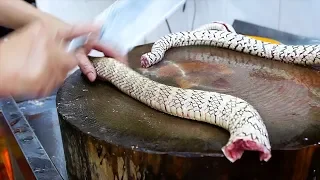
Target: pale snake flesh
242	120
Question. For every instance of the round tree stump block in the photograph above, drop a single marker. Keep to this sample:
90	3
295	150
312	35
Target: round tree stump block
109	135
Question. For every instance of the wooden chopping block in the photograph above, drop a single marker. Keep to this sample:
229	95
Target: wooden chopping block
109	135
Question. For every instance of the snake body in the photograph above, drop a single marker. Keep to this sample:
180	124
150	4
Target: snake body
245	125
221	35
247	130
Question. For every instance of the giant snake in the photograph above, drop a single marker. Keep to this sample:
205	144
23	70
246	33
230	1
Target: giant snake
245	125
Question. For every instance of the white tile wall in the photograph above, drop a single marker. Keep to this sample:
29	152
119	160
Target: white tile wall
300	17
262	12
74	11
294	16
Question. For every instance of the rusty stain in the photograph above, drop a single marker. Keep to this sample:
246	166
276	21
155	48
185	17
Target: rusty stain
20	130
12	123
34	116
221	83
186	84
281	89
195	81
267	76
169	69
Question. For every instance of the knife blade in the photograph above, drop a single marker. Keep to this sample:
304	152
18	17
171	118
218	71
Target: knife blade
126	22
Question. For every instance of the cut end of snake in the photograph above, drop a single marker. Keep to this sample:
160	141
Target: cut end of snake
145	63
234	151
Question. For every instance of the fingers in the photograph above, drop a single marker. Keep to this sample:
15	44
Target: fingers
40	62
85	65
56	63
109	52
81	54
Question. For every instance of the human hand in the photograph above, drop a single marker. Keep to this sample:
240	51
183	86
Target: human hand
34	61
84	63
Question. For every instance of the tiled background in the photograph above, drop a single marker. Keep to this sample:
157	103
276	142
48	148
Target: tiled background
299	17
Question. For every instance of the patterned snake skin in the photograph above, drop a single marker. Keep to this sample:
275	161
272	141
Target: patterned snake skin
246	127
223	35
247	131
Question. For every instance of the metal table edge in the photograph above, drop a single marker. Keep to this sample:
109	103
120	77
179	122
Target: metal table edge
37	158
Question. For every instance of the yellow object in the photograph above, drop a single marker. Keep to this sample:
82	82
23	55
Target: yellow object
265	39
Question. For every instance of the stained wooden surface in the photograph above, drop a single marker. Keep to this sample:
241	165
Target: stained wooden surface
98	122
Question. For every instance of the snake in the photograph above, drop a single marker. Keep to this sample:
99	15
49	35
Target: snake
222	35
244	123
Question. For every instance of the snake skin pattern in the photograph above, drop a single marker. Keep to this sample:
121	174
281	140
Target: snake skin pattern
247	130
222	35
245	125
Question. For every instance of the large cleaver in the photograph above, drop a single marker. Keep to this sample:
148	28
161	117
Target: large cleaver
126	22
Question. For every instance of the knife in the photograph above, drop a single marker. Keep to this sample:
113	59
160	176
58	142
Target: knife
126	22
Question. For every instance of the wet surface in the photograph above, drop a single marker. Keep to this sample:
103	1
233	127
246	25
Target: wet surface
287	97
42	117
27	151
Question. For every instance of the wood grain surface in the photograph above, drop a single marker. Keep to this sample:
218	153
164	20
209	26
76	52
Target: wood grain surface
109	134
